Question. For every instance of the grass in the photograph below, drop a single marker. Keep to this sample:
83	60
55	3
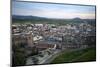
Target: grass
76	56
88	56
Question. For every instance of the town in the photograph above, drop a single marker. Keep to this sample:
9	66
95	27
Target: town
40	43
52	33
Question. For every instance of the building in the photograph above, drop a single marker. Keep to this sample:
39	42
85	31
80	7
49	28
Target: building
43	46
22	39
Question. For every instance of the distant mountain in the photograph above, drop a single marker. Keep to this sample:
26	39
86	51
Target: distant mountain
36	17
51	20
77	19
26	17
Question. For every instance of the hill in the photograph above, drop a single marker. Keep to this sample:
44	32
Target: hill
36	19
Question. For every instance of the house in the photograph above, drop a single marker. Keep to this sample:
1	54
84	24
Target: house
36	38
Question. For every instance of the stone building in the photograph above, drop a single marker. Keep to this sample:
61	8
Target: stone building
22	39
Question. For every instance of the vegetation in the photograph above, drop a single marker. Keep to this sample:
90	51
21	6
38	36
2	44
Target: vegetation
35	19
88	56
76	56
19	56
19	59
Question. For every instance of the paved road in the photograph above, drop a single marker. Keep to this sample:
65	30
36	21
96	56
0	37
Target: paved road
48	58
29	61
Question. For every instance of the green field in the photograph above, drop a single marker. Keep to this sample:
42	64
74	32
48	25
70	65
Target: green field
88	54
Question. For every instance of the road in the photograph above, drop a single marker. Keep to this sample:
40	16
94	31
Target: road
48	58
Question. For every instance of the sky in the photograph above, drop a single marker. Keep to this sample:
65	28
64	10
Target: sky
51	10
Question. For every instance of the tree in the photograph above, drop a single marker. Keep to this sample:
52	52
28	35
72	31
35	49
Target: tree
18	59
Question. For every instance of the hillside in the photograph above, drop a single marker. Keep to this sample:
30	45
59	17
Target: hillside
36	19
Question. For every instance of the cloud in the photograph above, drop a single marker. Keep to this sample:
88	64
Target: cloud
64	12
61	14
